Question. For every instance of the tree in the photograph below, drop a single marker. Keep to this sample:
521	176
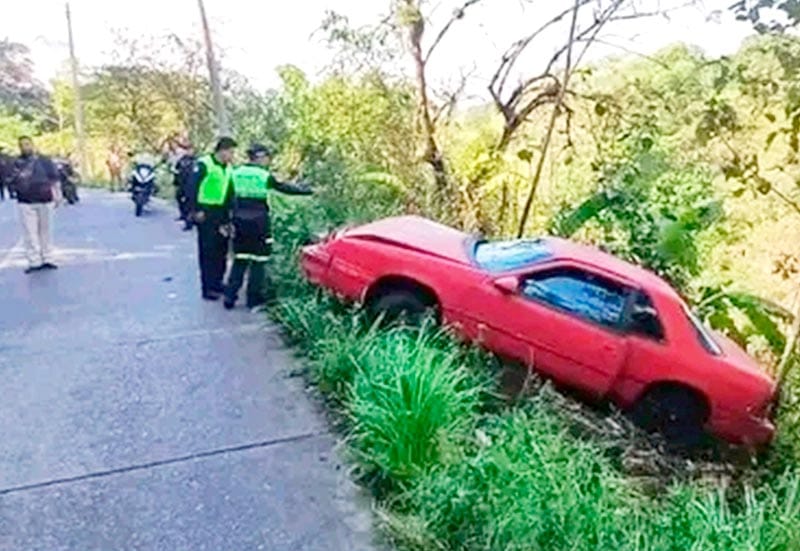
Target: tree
357	51
768	16
551	86
748	170
152	90
20	93
411	19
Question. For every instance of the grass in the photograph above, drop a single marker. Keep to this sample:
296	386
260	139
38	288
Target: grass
455	466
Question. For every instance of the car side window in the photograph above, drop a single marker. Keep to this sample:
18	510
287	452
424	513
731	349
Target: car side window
578	292
644	319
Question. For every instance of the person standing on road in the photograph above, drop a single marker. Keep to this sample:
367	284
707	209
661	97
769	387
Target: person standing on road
252	241
36	185
211	208
6	163
114	163
182	170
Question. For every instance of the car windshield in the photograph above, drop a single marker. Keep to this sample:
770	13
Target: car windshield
704	335
501	256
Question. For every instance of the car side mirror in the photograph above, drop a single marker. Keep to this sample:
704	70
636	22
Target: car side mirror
507	285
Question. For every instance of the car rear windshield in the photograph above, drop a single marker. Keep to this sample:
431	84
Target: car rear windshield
501	256
704	335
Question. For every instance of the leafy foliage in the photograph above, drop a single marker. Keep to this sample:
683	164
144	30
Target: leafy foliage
21	95
649	210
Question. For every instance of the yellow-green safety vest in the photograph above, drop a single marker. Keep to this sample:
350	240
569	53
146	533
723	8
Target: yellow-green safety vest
251	182
214	187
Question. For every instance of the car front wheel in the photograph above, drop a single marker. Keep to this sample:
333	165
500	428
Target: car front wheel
400	305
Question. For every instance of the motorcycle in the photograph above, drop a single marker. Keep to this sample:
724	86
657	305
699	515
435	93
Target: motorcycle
142	185
68	178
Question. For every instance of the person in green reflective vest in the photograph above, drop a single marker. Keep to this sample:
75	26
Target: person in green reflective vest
252	241
211	213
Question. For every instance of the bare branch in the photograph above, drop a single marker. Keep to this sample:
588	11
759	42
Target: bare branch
548	136
458	14
512	55
449	99
786	199
509	107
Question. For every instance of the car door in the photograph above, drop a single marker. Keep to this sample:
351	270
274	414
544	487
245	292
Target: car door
567	322
650	358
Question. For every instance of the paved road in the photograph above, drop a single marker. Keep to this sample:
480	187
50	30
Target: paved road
137	416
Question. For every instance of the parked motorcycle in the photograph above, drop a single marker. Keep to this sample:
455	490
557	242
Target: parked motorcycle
69	180
142	185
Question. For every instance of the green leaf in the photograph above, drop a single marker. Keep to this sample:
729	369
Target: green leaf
770	117
770	138
720	320
525	155
600	109
567	224
770	307
382	178
759	316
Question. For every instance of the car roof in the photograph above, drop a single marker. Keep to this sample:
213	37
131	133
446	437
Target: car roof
564	249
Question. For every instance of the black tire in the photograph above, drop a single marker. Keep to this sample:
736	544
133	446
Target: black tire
139	208
676	412
400	305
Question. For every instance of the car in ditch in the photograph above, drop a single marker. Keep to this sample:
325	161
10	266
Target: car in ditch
586	319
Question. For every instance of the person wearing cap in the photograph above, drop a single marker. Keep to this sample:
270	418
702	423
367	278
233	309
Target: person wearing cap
211	212
252	241
182	164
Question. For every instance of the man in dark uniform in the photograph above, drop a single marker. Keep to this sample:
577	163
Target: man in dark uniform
183	170
252	242
211	208
6	164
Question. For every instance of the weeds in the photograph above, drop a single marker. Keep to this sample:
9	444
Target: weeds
411	405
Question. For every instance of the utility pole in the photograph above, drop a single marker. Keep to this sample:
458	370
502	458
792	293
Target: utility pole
223	128
79	122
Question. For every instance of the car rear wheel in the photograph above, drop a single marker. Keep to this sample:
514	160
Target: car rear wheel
400	305
676	412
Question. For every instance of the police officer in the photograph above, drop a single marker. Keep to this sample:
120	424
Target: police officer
211	205
252	241
182	170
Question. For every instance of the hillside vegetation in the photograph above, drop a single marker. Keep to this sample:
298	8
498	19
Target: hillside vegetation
685	164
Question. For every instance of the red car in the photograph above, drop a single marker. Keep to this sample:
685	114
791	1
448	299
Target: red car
584	318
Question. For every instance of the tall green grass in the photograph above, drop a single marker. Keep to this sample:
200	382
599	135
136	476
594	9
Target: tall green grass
411	404
455	467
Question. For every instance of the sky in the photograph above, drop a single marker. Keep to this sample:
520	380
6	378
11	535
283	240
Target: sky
256	36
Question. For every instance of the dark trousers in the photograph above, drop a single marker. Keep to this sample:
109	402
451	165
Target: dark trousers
212	253
2	191
183	203
256	281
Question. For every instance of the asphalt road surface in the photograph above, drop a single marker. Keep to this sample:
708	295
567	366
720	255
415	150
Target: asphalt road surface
134	415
